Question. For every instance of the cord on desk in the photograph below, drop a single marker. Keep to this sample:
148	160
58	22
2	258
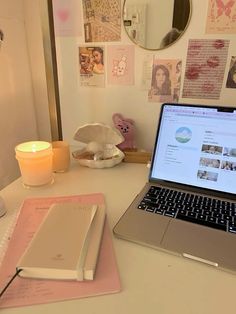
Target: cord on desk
10	281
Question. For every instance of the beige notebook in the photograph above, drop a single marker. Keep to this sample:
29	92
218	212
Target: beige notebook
66	244
95	236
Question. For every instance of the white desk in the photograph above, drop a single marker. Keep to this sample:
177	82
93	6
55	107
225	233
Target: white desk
152	281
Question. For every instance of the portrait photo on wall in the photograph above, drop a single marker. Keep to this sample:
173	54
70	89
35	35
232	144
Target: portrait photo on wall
165	82
231	79
92	69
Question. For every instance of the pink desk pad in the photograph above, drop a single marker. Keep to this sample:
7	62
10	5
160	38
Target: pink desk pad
22	291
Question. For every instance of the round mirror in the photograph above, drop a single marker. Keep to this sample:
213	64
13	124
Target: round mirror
156	24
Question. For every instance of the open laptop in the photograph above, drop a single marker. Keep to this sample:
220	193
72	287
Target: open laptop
188	207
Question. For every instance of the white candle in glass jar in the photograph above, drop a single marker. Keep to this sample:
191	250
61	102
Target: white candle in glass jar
35	162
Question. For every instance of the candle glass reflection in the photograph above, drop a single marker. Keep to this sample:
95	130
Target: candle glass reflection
61	156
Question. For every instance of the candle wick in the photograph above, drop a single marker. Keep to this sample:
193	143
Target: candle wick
33	148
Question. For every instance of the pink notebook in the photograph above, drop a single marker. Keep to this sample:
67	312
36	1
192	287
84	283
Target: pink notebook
22	291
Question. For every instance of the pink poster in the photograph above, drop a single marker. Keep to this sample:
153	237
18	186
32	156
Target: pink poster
205	67
221	17
67	17
165	82
120	65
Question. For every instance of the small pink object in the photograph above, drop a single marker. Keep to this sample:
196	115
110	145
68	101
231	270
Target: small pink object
127	129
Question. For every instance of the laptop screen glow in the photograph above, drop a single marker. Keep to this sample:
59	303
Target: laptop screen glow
196	146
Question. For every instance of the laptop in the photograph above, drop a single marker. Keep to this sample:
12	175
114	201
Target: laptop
188	205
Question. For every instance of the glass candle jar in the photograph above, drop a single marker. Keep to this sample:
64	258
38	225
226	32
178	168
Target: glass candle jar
35	162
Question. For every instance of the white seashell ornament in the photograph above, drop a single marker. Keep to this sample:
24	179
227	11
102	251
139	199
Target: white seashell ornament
98	132
101	150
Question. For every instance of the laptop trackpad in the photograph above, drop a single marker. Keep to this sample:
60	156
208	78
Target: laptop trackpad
215	246
142	227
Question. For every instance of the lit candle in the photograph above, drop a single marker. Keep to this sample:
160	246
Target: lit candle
35	162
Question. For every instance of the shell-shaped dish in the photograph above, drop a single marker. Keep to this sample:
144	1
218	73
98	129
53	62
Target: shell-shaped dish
117	157
98	132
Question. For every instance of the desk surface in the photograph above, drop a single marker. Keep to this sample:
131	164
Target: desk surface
152	281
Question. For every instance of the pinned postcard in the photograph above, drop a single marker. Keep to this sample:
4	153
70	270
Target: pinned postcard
205	67
102	20
165	82
231	79
221	17
92	69
146	72
67	16
120	65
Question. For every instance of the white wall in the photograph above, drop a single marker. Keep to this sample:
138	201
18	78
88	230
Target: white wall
18	95
34	35
81	105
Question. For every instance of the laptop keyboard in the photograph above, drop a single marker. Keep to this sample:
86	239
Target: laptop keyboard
194	208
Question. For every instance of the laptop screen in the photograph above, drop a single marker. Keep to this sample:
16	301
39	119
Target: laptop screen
196	145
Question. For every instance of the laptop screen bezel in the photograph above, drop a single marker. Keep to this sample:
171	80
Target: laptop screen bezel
178	185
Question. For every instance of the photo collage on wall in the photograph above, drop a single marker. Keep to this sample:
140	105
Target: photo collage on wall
102	60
